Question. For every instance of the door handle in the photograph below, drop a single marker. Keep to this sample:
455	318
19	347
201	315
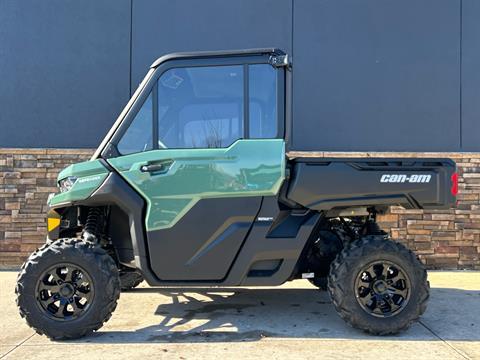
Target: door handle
159	168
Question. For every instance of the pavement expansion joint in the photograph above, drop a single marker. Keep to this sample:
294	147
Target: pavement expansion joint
463	355
17	346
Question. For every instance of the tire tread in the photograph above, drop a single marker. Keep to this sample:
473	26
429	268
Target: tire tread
109	296
343	265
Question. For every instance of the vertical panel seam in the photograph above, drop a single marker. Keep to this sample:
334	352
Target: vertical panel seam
461	75
130	50
292	28
290	116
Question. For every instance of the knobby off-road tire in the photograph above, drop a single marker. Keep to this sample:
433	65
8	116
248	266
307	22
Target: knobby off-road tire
130	280
343	280
79	268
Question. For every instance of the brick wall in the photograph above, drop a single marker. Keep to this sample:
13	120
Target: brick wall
447	239
444	239
27	176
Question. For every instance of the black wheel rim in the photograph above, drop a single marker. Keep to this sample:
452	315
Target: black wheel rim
382	288
65	292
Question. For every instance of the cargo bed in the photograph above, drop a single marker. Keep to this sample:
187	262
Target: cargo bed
329	183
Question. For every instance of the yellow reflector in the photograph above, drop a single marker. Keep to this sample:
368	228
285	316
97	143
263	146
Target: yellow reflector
52	223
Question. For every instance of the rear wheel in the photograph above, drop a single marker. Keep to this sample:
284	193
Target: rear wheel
378	286
67	289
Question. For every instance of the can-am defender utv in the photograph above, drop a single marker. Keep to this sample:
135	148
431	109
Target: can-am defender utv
194	185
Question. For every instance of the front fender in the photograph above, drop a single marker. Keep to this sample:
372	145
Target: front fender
90	175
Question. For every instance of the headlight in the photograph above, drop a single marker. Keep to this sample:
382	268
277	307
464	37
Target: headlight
67	183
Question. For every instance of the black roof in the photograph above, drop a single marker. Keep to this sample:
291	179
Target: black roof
202	54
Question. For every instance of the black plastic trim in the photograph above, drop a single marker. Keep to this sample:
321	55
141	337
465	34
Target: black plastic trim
212	54
246	101
287	109
204	243
155	118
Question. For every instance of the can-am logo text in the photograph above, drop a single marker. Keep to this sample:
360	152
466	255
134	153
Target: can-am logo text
402	178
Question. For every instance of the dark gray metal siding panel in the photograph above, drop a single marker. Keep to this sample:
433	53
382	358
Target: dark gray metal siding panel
471	75
165	26
376	75
369	75
64	70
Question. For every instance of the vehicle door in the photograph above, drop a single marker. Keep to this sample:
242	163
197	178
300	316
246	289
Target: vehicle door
203	148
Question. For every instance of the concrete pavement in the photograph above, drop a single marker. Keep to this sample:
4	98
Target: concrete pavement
291	321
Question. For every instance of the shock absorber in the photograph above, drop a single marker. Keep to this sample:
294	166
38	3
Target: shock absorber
371	225
92	224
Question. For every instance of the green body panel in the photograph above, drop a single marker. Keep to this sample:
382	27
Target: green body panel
246	168
90	175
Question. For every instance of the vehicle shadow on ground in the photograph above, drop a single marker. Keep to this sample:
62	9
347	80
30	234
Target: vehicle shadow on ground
239	314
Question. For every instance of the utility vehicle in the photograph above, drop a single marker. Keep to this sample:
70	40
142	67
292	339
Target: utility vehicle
195	184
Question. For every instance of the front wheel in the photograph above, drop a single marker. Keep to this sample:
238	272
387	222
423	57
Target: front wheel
378	285
67	289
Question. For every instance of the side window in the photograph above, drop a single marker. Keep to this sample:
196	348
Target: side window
263	122
138	136
203	107
200	107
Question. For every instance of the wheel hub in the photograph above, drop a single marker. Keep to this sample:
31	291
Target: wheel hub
382	288
65	292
